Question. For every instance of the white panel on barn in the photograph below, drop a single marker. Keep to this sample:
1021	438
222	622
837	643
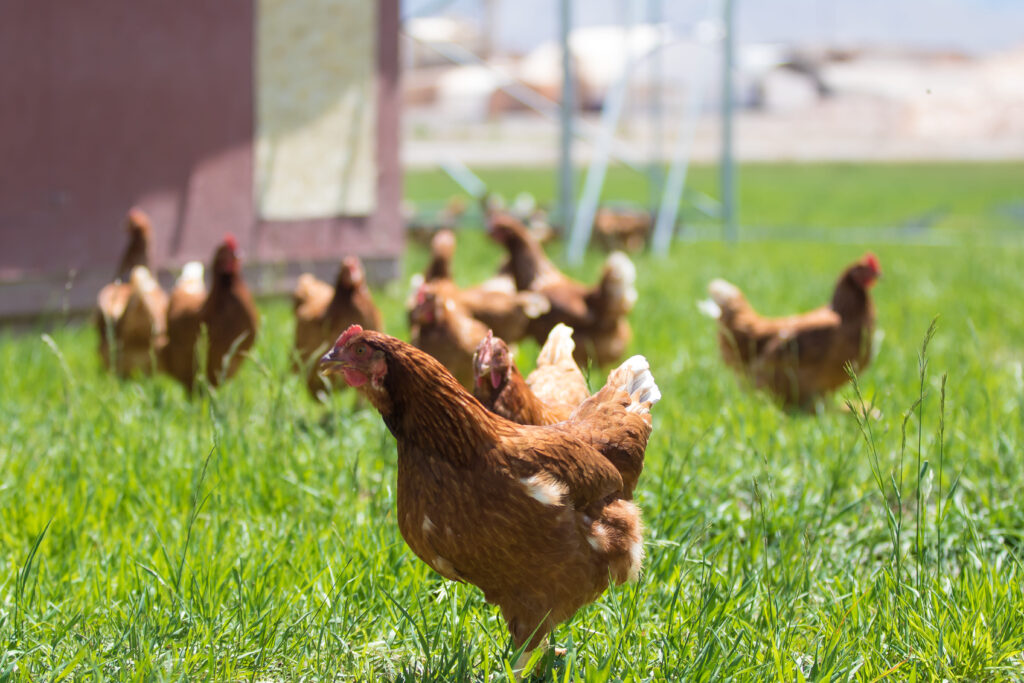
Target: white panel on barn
316	108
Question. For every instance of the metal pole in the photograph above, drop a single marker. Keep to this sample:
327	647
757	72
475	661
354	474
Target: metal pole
726	166
675	183
565	171
583	221
490	21
655	175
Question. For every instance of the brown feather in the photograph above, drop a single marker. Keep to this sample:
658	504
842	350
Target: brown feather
597	313
537	517
322	312
800	358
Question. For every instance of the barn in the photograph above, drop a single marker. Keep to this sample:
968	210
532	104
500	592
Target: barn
274	120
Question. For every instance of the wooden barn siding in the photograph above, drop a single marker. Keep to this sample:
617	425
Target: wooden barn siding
151	104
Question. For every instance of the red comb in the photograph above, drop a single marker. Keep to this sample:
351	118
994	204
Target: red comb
230	242
352	331
872	262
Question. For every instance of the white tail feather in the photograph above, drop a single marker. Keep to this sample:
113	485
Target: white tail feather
635	378
191	278
710	309
415	282
558	347
723	292
142	280
622	276
534	304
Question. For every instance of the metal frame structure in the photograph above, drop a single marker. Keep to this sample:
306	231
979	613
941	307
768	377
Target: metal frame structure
668	187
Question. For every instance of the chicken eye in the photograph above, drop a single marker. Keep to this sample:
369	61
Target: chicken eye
360	350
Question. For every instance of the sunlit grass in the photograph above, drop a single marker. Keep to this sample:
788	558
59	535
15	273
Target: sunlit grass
250	534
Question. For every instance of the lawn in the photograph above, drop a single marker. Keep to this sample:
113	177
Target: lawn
250	534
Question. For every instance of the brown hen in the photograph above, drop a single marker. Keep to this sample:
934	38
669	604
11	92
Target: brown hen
323	312
596	313
442	328
549	395
227	312
538	517
799	358
183	321
131	310
495	302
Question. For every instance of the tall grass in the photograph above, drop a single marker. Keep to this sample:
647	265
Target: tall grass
250	533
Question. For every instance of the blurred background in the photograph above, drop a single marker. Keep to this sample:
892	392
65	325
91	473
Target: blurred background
811	79
318	128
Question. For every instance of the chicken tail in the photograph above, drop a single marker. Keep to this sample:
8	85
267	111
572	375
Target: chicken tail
634	377
619	282
191	278
534	304
143	281
559	346
303	289
139	318
725	297
618	426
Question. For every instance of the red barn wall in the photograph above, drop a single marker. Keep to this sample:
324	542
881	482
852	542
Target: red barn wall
112	104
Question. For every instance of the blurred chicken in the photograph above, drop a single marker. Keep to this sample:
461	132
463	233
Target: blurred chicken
136	253
446	331
131	310
495	302
596	313
621	229
227	312
799	358
421	230
323	312
183	320
540	518
525	209
442	252
134	316
548	395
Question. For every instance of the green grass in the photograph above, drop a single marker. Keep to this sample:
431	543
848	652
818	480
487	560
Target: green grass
251	534
975	198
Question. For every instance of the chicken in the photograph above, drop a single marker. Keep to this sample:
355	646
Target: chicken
133	315
799	358
495	302
323	312
442	251
230	317
446	331
549	395
621	229
540	518
183	320
140	233
597	313
421	229
131	310
227	312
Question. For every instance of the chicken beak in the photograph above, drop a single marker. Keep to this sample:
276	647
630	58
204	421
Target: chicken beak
331	362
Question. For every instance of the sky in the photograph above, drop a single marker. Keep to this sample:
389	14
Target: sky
975	26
